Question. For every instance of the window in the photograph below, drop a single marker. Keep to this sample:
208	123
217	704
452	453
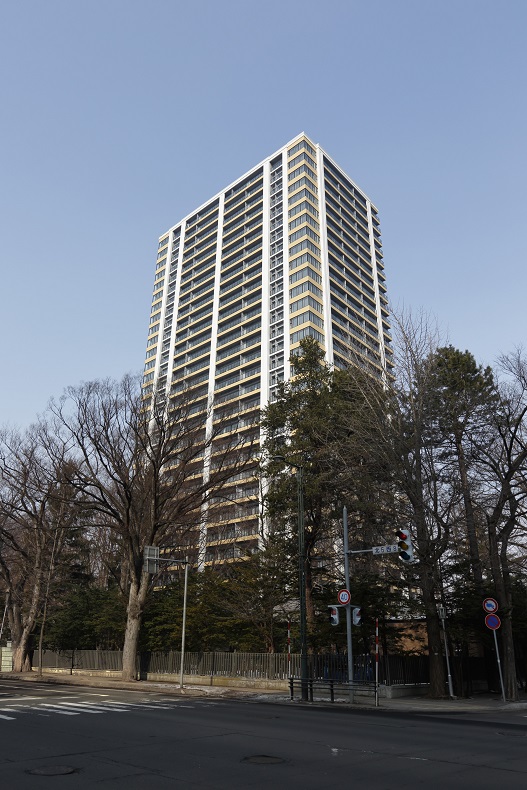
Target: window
302	144
301	219
303	157
300	183
304	232
302	169
304	193
305	258
306	317
304	245
308	331
307	301
303	287
305	272
301	206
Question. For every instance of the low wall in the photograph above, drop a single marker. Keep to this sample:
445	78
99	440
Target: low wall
220	680
416	690
191	680
88	673
6	658
388	692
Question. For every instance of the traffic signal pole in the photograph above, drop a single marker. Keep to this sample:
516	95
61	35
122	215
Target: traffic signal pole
348	607
405	551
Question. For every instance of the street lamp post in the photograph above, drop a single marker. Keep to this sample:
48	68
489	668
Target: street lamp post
183	626
301	572
442	616
151	562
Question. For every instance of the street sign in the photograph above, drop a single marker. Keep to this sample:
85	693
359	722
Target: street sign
151	559
490	605
392	548
492	621
344	597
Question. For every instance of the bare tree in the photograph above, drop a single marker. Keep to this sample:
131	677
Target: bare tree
502	466
146	473
36	515
394	430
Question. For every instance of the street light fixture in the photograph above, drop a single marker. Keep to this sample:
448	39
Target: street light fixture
301	570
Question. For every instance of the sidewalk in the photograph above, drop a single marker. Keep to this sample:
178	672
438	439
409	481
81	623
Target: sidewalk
480	703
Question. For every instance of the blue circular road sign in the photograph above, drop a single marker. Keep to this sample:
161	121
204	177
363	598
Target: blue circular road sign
492	621
490	605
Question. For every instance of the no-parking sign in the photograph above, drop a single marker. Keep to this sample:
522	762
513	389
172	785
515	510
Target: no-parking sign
490	605
492	621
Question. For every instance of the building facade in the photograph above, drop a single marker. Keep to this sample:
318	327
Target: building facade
290	249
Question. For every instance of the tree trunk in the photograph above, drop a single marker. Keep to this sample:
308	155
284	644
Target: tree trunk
310	604
21	659
475	560
427	570
435	649
134	615
508	659
22	625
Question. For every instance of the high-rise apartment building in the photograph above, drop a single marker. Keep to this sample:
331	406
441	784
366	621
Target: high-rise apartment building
290	249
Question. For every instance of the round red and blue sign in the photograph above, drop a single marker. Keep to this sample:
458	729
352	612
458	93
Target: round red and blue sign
492	621
490	605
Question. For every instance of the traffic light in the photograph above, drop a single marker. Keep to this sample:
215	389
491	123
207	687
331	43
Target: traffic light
406	552
333	615
356	616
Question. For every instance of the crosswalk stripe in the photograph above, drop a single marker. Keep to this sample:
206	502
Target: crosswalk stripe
84	708
76	708
141	705
129	705
58	709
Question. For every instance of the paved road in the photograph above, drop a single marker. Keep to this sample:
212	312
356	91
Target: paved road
137	739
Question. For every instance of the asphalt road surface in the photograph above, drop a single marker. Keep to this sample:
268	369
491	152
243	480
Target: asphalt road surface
70	737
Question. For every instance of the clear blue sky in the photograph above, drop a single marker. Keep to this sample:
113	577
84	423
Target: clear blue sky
121	116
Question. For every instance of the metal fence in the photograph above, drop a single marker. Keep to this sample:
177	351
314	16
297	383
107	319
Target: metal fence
105	660
258	666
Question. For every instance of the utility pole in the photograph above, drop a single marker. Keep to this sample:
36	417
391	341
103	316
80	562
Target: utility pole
348	607
151	560
301	571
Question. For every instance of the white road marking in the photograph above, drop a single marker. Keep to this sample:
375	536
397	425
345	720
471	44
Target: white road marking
67	708
142	705
131	705
58	709
105	707
17	699
84	706
64	692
